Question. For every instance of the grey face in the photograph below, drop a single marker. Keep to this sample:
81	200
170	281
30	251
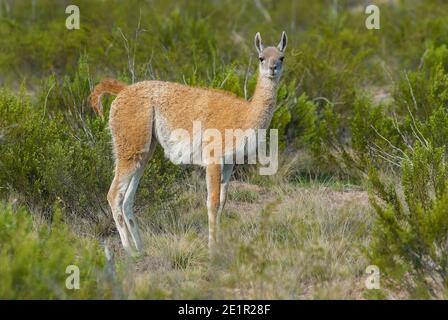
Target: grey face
271	61
271	58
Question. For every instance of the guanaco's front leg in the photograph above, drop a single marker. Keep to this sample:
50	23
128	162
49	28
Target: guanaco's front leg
213	176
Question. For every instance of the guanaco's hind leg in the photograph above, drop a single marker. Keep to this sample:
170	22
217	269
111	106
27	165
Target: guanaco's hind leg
213	179
128	201
131	123
121	198
115	198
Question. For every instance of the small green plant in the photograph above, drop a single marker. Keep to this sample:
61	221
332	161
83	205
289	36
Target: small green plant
244	195
34	258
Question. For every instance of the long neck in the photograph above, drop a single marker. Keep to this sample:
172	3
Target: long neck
263	102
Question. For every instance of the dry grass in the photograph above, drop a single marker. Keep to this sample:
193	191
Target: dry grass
285	241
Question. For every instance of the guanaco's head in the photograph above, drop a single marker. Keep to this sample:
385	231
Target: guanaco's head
271	58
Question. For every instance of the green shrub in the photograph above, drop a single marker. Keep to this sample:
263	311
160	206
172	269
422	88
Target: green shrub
379	133
295	119
56	149
411	233
407	137
244	195
34	258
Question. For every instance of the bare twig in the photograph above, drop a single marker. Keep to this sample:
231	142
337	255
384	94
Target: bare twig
131	50
414	126
247	77
263	10
388	142
46	98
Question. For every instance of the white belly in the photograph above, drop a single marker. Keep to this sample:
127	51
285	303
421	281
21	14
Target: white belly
181	147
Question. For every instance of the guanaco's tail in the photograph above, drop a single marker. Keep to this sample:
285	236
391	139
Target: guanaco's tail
109	86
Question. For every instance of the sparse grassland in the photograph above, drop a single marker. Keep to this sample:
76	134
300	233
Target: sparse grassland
283	242
362	119
287	242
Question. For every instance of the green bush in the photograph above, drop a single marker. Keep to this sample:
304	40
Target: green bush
57	149
379	133
409	241
34	258
411	233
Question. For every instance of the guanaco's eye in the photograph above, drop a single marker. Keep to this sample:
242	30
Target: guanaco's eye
281	59
261	59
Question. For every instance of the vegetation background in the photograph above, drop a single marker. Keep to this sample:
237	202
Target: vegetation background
363	120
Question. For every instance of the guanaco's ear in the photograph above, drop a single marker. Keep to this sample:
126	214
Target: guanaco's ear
258	43
283	42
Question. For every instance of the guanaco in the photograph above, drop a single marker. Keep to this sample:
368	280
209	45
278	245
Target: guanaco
146	113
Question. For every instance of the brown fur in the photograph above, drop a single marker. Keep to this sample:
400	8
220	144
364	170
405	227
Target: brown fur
133	110
111	86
